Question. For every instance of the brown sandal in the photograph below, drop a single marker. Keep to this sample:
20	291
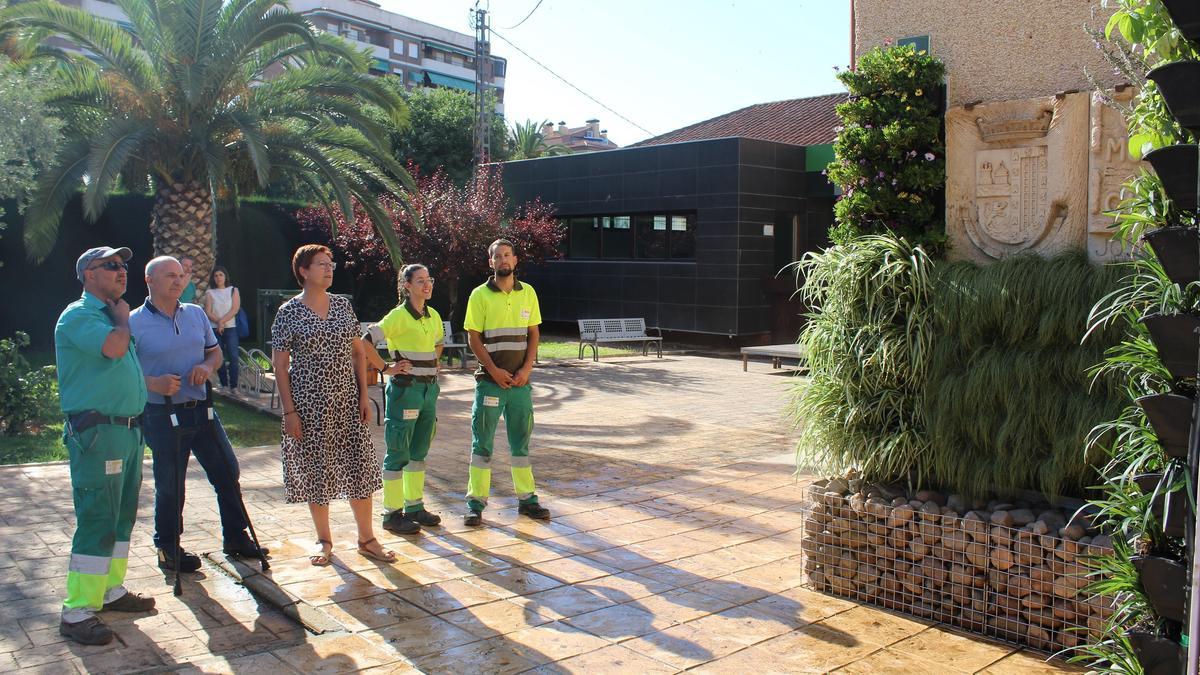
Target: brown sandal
387	556
322	559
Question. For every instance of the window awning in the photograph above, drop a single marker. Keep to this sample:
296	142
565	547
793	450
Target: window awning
448	81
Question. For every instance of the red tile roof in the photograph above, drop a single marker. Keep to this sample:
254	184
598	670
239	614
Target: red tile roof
798	121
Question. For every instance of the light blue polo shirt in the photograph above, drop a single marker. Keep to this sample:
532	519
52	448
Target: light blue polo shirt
167	345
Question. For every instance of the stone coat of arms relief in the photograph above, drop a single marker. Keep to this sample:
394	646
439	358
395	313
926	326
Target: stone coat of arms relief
1036	175
1017	177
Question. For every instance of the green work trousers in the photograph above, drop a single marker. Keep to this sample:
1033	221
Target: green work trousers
409	430
106	475
516	405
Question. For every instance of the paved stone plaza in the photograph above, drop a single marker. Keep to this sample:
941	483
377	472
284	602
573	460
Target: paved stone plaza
675	545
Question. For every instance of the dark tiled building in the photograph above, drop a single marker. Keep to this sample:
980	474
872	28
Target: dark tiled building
690	234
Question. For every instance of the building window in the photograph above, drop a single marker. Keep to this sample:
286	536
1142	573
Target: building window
640	237
617	237
498	68
412	50
583	236
398	46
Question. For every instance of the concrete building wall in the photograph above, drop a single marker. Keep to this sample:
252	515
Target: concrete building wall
995	50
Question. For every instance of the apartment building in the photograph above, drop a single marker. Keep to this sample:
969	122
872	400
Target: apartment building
421	54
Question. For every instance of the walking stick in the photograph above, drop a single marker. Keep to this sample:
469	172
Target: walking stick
180	477
262	558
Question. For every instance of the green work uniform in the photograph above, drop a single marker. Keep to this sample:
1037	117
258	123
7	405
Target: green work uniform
411	403
106	459
503	321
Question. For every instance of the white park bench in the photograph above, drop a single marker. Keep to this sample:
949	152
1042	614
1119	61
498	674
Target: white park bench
594	332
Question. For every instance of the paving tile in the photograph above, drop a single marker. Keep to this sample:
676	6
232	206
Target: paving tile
514	581
334	654
447	596
496	618
891	662
265	663
619	622
953	649
347	586
1029	663
373	612
876	626
624	587
496	655
553	641
563	602
611	659
420	637
684	646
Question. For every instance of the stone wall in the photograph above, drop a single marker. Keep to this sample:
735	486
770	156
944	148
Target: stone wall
1010	571
995	51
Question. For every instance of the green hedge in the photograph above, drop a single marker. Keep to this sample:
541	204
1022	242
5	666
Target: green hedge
255	242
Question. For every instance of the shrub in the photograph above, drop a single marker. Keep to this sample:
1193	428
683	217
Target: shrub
26	394
890	158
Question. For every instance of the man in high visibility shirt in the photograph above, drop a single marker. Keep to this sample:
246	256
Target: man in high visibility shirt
102	393
502	328
414	335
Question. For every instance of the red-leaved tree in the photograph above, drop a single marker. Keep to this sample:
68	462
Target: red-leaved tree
457	224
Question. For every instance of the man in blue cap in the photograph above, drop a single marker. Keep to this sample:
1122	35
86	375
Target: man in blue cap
178	353
102	393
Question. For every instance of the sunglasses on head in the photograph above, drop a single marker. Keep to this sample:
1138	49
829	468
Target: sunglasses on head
111	266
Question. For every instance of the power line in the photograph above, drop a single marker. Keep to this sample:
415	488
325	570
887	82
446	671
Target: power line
564	81
535	8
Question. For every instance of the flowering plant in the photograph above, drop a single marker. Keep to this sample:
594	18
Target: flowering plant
890	157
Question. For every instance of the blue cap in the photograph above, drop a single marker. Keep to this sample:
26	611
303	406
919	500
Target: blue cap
99	253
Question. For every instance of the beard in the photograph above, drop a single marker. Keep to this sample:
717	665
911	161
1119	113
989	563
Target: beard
504	272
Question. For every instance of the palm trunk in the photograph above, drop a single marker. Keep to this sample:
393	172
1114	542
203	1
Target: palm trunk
182	224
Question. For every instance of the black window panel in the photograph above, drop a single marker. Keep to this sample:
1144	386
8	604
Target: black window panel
651	236
564	244
617	237
584	237
683	237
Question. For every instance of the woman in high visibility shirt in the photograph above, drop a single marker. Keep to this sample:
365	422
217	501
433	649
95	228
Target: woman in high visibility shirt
414	335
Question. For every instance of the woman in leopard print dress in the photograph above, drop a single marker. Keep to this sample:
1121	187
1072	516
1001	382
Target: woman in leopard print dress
321	376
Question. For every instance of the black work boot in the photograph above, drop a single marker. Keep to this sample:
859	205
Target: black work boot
90	631
425	518
534	510
398	522
473	518
188	562
130	602
243	548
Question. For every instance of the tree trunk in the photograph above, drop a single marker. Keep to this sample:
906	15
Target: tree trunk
182	224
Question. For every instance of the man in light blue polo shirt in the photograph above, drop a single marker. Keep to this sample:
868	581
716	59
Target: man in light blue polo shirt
178	352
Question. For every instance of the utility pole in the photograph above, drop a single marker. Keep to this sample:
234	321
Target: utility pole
483	110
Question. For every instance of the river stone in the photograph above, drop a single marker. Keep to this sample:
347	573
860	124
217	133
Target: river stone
1022	517
1002	517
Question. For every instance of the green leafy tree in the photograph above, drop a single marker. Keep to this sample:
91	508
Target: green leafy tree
527	141
890	159
197	98
29	136
441	133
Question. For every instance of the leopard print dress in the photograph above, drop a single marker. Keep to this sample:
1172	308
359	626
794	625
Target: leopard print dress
334	459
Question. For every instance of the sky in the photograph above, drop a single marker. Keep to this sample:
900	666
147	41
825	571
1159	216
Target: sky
663	64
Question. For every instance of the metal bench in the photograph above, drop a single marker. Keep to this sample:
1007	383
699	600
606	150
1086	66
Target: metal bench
451	346
594	332
792	353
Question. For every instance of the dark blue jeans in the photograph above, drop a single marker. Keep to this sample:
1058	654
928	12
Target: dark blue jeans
206	440
228	372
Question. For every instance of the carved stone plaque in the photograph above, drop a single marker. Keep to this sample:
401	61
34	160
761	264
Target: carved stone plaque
1016	177
1110	166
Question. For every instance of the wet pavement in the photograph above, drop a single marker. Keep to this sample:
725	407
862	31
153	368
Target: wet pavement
674	545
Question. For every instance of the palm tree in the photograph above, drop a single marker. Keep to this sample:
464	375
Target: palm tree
201	99
528	141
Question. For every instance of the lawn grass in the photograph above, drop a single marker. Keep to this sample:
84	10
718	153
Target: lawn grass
551	348
244	427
